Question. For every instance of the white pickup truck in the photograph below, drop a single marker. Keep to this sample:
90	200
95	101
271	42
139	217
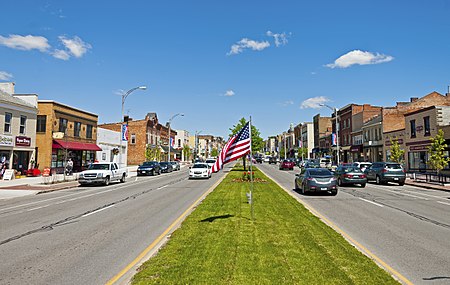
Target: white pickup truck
102	173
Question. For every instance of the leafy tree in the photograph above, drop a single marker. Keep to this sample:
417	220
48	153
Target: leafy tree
257	141
396	152
186	152
304	151
438	159
153	153
214	152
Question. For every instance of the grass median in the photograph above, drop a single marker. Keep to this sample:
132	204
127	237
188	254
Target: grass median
220	243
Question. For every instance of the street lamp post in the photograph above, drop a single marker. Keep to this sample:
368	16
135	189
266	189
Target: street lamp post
124	97
334	109
170	122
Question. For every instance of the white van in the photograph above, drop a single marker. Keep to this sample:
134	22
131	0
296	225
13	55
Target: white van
325	162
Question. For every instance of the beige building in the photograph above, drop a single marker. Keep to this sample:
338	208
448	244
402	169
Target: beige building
17	129
64	132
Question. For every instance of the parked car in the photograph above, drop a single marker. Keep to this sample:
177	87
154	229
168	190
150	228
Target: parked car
166	167
316	180
350	175
311	164
267	158
210	162
259	159
383	172
287	164
175	165
325	162
102	173
362	165
200	170
273	160
149	168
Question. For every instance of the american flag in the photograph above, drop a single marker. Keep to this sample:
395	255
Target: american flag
236	147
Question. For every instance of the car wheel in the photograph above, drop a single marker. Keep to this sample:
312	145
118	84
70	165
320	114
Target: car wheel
334	192
295	186
363	185
378	180
401	183
123	178
340	182
106	182
303	189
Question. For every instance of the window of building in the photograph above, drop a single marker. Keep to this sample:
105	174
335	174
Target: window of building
8	119
89	131
23	124
348	123
76	129
62	125
41	123
133	138
179	143
412	124
426	125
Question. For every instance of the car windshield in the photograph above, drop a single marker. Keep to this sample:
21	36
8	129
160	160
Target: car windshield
149	163
200	166
351	169
164	163
99	167
210	161
393	166
320	172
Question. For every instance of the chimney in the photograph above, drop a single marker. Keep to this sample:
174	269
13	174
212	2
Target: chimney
448	91
7	87
414	99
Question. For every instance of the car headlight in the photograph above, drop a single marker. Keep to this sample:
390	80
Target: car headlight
100	174
81	175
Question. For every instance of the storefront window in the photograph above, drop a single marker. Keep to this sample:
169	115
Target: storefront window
417	160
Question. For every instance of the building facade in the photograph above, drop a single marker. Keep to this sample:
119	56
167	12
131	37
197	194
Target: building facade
109	142
64	132
17	130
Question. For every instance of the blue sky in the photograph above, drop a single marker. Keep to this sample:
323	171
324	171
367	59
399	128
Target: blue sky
219	61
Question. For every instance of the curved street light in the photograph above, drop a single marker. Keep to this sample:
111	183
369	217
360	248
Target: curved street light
334	109
124	97
170	122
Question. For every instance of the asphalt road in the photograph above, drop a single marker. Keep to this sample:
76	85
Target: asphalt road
87	235
406	227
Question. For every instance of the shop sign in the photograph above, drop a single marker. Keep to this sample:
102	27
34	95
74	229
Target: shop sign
6	140
388	142
23	141
418	147
9	174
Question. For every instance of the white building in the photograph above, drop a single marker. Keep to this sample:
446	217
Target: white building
18	113
307	137
109	142
181	139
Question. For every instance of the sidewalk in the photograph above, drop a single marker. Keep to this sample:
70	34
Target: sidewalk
37	185
427	185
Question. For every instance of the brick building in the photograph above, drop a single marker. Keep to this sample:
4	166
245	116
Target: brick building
322	128
64	132
143	134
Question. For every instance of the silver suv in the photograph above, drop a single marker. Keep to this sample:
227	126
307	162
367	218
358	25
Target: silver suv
383	172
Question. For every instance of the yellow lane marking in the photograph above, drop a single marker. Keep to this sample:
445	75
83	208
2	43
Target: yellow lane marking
363	249
164	234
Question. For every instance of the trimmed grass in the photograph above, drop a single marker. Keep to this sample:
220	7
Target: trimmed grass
219	243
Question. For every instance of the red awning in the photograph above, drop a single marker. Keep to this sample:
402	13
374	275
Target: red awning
75	145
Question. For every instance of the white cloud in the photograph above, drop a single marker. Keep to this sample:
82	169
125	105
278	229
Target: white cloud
5	76
61	54
229	93
314	102
76	46
287	103
280	39
28	42
359	57
247	44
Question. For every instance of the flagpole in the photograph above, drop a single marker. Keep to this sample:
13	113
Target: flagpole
251	169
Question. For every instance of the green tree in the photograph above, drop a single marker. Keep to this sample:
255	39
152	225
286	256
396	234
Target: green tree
304	151
186	152
396	152
214	152
438	159
153	153
257	141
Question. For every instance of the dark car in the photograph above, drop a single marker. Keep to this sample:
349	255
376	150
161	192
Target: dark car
259	159
273	160
384	172
149	168
311	164
316	180
175	165
350	175
166	167
287	164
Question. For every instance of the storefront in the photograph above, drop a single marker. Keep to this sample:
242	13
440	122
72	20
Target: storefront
16	153
81	154
356	153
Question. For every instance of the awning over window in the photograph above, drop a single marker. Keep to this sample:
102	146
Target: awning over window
75	145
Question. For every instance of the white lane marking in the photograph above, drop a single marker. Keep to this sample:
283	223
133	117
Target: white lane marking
423	194
400	193
443	203
379	205
37	208
95	212
162	187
